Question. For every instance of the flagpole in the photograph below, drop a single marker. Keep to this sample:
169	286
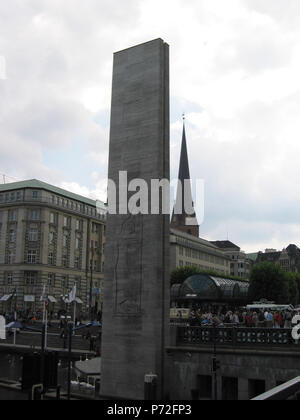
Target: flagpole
74	301
46	325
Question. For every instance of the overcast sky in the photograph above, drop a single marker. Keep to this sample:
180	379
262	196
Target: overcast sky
235	72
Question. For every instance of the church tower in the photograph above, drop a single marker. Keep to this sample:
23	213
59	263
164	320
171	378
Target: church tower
184	216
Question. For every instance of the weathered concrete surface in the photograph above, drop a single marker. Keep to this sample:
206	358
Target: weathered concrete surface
187	366
136	285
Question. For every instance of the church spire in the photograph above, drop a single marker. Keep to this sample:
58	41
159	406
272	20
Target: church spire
180	219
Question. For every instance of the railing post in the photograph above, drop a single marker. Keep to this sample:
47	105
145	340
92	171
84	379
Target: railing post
234	336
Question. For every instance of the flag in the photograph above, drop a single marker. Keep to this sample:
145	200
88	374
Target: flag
46	303
72	295
43	294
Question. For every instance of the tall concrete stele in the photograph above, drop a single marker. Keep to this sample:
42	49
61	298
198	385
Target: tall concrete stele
136	280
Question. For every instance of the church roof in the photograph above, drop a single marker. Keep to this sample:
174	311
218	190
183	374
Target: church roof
183	176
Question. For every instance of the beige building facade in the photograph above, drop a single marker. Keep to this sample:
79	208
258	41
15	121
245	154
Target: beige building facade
49	238
188	250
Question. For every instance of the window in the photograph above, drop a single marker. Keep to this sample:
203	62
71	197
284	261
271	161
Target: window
65	240
34	215
78	284
64	282
12	235
30	278
12	196
65	261
51	238
10	257
67	222
188	252
51	258
33	234
78	241
35	195
31	257
13	215
19	196
78	224
10	278
51	279
77	263
52	218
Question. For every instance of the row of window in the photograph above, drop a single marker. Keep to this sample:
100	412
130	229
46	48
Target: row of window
16	196
198	266
75	206
31	279
32	258
192	253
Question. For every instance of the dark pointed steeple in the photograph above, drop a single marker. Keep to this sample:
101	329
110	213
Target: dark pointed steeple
184	201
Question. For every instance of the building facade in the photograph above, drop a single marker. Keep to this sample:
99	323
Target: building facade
188	250
53	239
240	264
288	258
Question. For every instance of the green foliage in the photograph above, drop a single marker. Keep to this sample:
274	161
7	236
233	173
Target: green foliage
293	284
179	275
269	281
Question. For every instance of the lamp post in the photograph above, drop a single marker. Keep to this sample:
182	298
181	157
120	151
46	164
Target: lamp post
70	333
91	285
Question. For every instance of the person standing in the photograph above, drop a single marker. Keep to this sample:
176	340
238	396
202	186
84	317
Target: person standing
270	320
288	320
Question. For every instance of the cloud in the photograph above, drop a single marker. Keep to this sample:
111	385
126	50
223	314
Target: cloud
234	72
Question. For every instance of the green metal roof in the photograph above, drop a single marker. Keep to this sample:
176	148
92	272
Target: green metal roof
252	256
35	184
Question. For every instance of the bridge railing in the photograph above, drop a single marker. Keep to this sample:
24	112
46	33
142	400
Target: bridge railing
235	336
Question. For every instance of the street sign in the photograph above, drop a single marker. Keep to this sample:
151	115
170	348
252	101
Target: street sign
2	328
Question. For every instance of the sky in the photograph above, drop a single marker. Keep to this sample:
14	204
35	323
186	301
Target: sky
235	69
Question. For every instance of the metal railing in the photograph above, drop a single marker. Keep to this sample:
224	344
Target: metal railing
235	336
288	391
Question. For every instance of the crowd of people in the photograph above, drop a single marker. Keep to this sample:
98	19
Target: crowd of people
243	318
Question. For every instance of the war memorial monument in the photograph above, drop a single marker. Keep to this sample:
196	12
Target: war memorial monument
136	286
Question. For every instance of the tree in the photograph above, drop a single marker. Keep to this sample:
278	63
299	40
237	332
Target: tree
269	281
179	275
293	284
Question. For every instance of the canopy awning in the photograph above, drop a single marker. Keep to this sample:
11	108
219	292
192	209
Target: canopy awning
29	298
5	298
52	299
65	299
78	300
